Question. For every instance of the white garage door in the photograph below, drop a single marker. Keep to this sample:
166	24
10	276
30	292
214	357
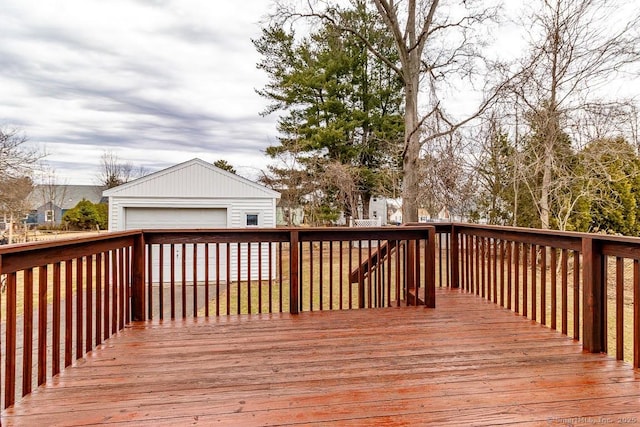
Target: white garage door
178	218
136	218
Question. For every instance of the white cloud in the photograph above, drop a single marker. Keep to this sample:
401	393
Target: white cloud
157	82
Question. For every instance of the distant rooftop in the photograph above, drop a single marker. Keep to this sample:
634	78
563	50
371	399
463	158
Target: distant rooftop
66	196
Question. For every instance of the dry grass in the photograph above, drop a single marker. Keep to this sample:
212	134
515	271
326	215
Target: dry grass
324	285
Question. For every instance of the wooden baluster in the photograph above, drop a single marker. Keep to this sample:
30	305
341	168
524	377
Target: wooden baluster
172	279
195	280
516	274
454	251
619	308
636	313
430	269
206	280
68	312
42	324
259	277
56	333
88	329
105	301
565	286
554	290
10	341
525	275
293	272
79	305
27	331
183	270
149	278
543	285
99	314
576	295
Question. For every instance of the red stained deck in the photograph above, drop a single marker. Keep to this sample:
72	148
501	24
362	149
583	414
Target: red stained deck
466	362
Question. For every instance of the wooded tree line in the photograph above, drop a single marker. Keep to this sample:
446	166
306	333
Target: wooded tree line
362	91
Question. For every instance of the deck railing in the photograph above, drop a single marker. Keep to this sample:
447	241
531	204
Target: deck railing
222	272
586	286
63	298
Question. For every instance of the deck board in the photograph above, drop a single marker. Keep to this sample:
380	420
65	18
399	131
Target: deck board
467	362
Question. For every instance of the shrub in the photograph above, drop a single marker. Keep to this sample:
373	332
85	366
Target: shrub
86	216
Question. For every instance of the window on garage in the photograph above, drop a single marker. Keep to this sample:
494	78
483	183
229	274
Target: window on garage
252	220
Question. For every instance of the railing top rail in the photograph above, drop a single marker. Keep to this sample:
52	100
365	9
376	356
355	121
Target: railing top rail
233	235
27	255
624	246
65	241
213	235
554	233
364	233
557	239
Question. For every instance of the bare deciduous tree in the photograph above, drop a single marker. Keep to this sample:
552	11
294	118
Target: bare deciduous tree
14	193
17	163
17	159
50	193
290	179
445	181
342	180
576	46
437	42
114	172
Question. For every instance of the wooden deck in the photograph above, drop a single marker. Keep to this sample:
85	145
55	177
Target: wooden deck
467	362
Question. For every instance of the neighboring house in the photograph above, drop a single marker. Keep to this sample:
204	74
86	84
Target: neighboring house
193	194
423	215
378	209
289	216
395	216
50	202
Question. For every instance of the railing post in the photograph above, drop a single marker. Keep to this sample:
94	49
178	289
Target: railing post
137	285
410	271
430	269
294	286
454	255
593	297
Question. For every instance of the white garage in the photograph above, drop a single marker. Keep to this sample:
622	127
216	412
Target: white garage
191	195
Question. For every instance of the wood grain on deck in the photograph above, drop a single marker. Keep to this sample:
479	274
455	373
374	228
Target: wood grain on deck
467	362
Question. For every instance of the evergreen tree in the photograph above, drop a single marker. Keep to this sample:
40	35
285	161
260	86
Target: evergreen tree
340	104
611	170
86	216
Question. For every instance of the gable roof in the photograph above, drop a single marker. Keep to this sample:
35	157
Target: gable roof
65	196
194	178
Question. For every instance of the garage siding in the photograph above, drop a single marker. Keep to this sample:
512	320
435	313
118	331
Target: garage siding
237	210
195	194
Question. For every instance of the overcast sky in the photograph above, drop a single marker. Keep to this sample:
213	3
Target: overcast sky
156	82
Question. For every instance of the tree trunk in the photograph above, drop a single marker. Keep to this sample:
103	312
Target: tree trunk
545	187
411	154
366	203
10	237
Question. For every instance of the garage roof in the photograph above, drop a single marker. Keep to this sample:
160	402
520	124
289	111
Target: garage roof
194	178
